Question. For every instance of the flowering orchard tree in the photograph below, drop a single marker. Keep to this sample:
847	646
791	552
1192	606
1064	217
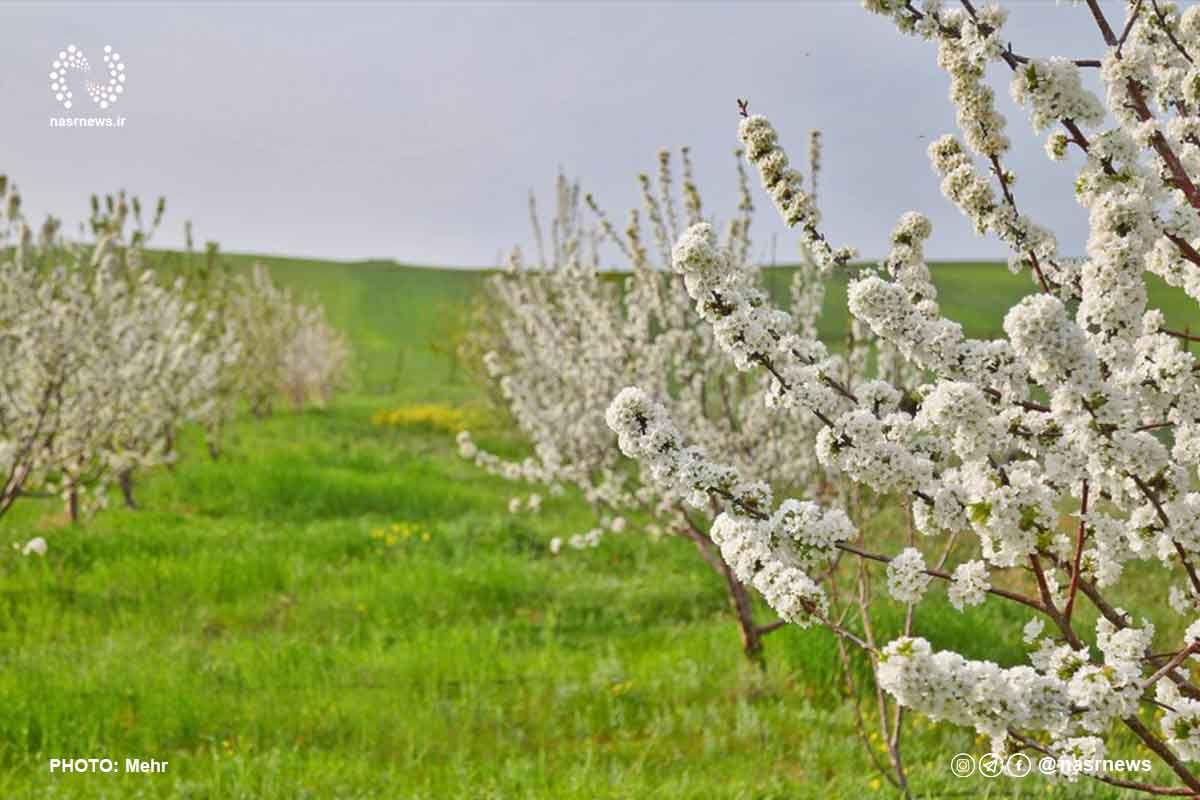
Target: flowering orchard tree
106	356
102	360
290	348
315	361
565	337
175	353
211	286
271	344
1087	411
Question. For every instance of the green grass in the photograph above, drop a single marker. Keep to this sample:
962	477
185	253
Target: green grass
251	626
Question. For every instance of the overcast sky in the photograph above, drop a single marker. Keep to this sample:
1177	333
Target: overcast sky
414	131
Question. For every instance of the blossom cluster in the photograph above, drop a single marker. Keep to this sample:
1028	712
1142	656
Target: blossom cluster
772	550
907	581
1060	692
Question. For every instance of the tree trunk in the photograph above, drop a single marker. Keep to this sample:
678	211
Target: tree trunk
125	478
739	598
168	450
743	609
73	503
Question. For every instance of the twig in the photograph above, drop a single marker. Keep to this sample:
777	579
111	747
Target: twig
1179	335
1162	18
1128	26
1106	30
1172	664
775	625
1160	748
1079	540
946	576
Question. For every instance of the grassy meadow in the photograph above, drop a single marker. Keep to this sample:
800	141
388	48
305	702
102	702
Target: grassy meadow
340	610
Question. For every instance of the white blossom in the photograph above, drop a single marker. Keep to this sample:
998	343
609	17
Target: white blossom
36	545
1181	722
907	581
969	585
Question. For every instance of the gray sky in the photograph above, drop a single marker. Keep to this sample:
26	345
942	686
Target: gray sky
414	131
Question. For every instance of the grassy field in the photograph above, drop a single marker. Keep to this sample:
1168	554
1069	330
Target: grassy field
336	610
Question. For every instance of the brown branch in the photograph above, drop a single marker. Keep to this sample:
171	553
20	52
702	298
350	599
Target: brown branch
1106	30
1185	248
1095	63
1162	751
1132	722
1121	619
1175	661
860	724
835	627
702	543
770	627
946	576
1179	335
1162	18
1180	178
998	170
739	597
1008	53
864	607
1162	516
20	468
1133	15
1064	625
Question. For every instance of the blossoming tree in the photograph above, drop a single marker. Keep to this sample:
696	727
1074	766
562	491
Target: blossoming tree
567	335
106	355
103	358
291	349
1086	412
